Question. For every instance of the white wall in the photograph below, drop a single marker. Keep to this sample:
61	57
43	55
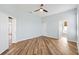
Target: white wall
78	23
78	28
28	26
53	24
4	42
44	27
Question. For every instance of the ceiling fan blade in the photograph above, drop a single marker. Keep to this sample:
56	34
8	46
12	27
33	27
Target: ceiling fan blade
45	10
36	10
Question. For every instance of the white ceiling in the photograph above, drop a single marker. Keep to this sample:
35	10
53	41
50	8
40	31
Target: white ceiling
14	9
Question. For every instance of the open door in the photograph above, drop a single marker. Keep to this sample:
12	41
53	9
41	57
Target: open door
63	25
12	30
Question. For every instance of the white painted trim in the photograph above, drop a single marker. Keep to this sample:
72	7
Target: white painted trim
39	36
72	40
51	36
58	38
25	39
2	51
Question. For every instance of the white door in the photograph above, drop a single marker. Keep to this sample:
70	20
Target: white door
12	31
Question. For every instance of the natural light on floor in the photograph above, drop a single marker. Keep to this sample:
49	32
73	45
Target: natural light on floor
63	39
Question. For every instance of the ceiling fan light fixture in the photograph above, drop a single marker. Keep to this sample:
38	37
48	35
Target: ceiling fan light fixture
41	10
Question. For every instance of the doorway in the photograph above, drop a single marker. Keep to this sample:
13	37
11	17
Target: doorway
12	30
63	26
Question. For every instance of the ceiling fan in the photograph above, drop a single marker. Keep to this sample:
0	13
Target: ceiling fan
41	9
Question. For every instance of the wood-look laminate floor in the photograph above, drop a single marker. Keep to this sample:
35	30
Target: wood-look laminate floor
42	46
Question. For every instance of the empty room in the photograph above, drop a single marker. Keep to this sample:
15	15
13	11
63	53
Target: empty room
39	29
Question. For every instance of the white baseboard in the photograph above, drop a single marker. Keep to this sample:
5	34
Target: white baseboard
39	36
26	38
72	41
3	50
51	36
58	38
